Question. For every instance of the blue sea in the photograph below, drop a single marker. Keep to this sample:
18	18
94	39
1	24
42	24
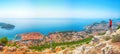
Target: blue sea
45	26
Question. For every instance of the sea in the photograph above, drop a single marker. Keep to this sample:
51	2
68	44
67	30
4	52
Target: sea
45	26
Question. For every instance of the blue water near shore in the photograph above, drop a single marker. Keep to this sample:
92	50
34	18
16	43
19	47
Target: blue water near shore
45	26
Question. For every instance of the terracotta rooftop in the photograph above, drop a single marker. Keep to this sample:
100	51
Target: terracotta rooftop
32	36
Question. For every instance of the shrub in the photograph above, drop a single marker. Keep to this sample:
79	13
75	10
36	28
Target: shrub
87	42
77	45
68	46
72	47
118	27
63	47
4	40
106	38
116	38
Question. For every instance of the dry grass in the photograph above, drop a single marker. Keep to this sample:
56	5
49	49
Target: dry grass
116	38
106	38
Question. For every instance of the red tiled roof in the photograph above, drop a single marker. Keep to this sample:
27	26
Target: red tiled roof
32	36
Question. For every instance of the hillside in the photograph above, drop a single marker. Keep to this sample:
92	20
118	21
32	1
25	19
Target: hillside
105	44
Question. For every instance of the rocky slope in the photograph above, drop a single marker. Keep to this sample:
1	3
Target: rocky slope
100	46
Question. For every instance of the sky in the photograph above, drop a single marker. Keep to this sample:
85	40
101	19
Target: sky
59	8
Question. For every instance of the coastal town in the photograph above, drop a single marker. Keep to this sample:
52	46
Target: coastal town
94	40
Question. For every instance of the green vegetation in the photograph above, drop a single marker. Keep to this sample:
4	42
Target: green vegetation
4	40
63	47
14	44
118	27
54	45
116	38
106	38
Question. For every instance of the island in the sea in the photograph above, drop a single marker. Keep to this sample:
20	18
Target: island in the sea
6	26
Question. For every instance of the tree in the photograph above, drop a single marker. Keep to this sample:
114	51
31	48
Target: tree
118	27
4	40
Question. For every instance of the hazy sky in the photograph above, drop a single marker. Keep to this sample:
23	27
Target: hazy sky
59	8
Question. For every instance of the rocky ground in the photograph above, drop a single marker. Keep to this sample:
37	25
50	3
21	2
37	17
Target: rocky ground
100	44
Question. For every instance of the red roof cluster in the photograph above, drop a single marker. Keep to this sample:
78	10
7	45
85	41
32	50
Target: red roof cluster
32	36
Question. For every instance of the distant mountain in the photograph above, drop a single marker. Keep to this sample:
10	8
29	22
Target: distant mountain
6	26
